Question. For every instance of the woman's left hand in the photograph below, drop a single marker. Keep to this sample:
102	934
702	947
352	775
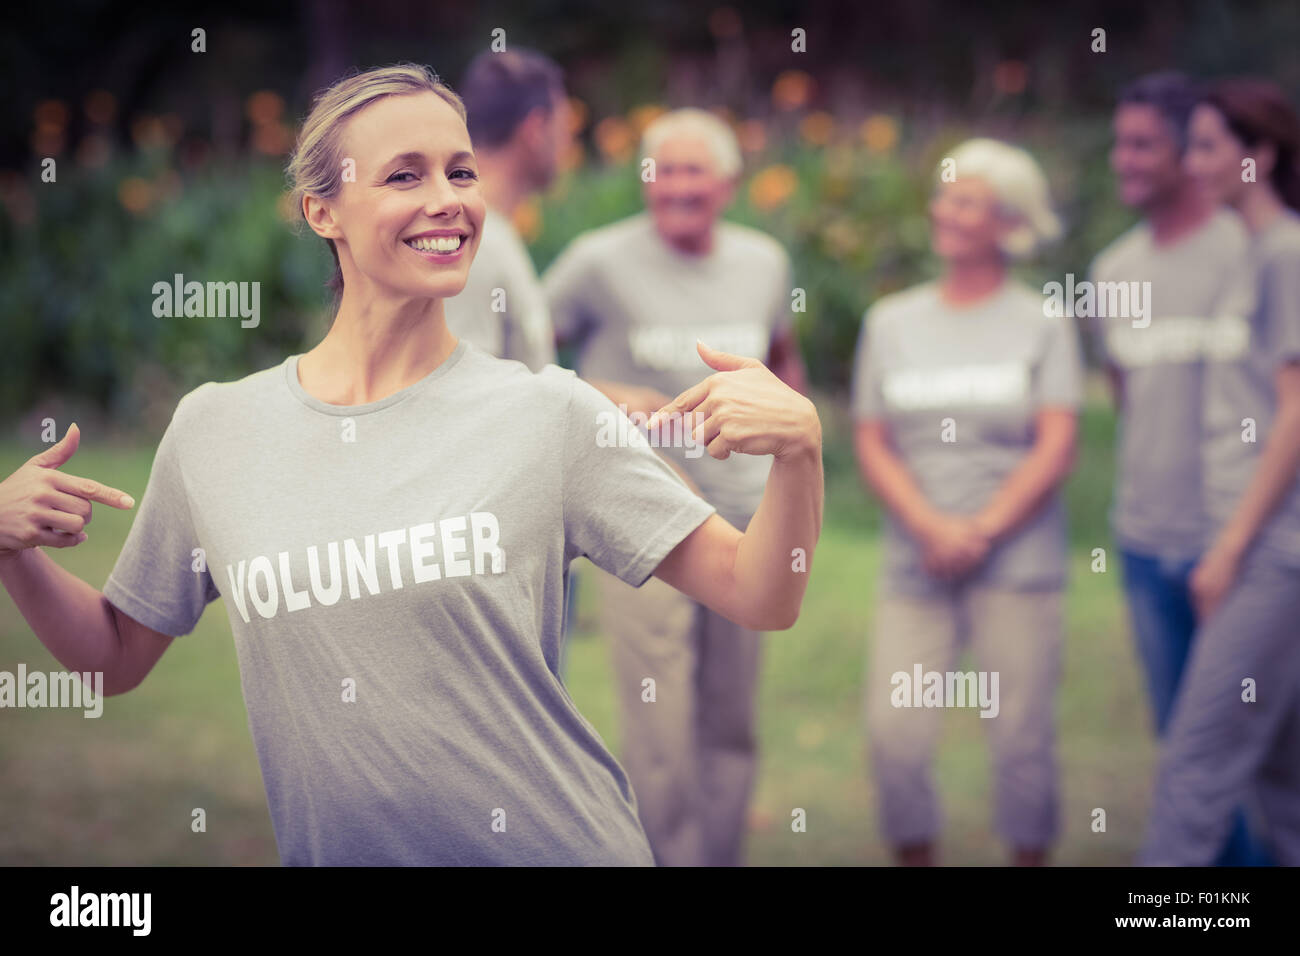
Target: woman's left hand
1212	579
744	408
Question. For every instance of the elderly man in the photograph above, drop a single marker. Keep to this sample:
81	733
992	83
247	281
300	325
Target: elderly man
634	297
519	122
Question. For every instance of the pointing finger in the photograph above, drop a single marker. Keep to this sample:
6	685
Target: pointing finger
92	490
682	403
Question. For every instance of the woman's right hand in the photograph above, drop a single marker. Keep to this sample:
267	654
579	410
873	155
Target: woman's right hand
40	505
952	546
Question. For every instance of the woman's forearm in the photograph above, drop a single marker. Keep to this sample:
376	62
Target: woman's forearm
888	477
71	618
774	557
1039	474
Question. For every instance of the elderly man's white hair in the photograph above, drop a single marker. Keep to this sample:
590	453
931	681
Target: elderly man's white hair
1021	189
697	124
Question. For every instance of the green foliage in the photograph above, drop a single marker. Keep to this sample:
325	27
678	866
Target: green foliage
77	281
77	278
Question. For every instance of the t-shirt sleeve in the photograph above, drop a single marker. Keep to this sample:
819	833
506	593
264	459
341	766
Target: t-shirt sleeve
866	395
1238	295
1094	326
530	338
782	320
1279	289
566	286
1060	373
155	579
624	507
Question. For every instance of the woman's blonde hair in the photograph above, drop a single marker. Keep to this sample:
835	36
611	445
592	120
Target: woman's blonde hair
702	124
316	166
1021	189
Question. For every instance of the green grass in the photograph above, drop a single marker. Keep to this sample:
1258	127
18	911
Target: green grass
121	789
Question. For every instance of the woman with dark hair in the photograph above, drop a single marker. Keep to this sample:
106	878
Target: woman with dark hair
1236	720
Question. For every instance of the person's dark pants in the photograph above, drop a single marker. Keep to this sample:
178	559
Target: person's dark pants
1164	623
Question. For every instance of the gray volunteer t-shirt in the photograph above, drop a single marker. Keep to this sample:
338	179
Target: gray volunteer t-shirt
1240	385
394	574
1158	508
635	306
959	389
502	308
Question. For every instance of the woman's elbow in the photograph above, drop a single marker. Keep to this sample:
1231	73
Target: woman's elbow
776	616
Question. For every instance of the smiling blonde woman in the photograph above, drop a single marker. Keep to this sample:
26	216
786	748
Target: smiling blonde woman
391	517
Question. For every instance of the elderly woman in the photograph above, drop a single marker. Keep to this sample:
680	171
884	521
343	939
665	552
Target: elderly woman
965	394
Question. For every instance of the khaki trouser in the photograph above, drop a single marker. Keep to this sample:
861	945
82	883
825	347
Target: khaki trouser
691	753
1016	634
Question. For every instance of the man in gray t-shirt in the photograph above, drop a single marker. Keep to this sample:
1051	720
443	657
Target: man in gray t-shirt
1158	508
634	297
521	127
635	306
1184	263
397	605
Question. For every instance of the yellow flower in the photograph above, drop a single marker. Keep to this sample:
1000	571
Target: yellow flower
643	116
772	187
792	89
264	107
135	195
842	238
879	133
752	136
615	139
578	113
817	128
527	220
273	139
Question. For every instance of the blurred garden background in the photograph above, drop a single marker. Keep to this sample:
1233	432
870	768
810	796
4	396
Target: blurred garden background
171	161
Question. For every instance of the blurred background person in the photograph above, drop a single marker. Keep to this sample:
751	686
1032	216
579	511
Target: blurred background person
633	297
520	124
965	396
521	127
1224	739
1192	253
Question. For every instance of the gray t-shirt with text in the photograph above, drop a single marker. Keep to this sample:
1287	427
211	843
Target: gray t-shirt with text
1241	392
394	574
635	306
1158	508
960	389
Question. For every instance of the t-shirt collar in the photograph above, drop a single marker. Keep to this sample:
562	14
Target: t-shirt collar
349	411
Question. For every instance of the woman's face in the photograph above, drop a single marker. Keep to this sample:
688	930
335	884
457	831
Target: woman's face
965	222
1214	155
409	220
